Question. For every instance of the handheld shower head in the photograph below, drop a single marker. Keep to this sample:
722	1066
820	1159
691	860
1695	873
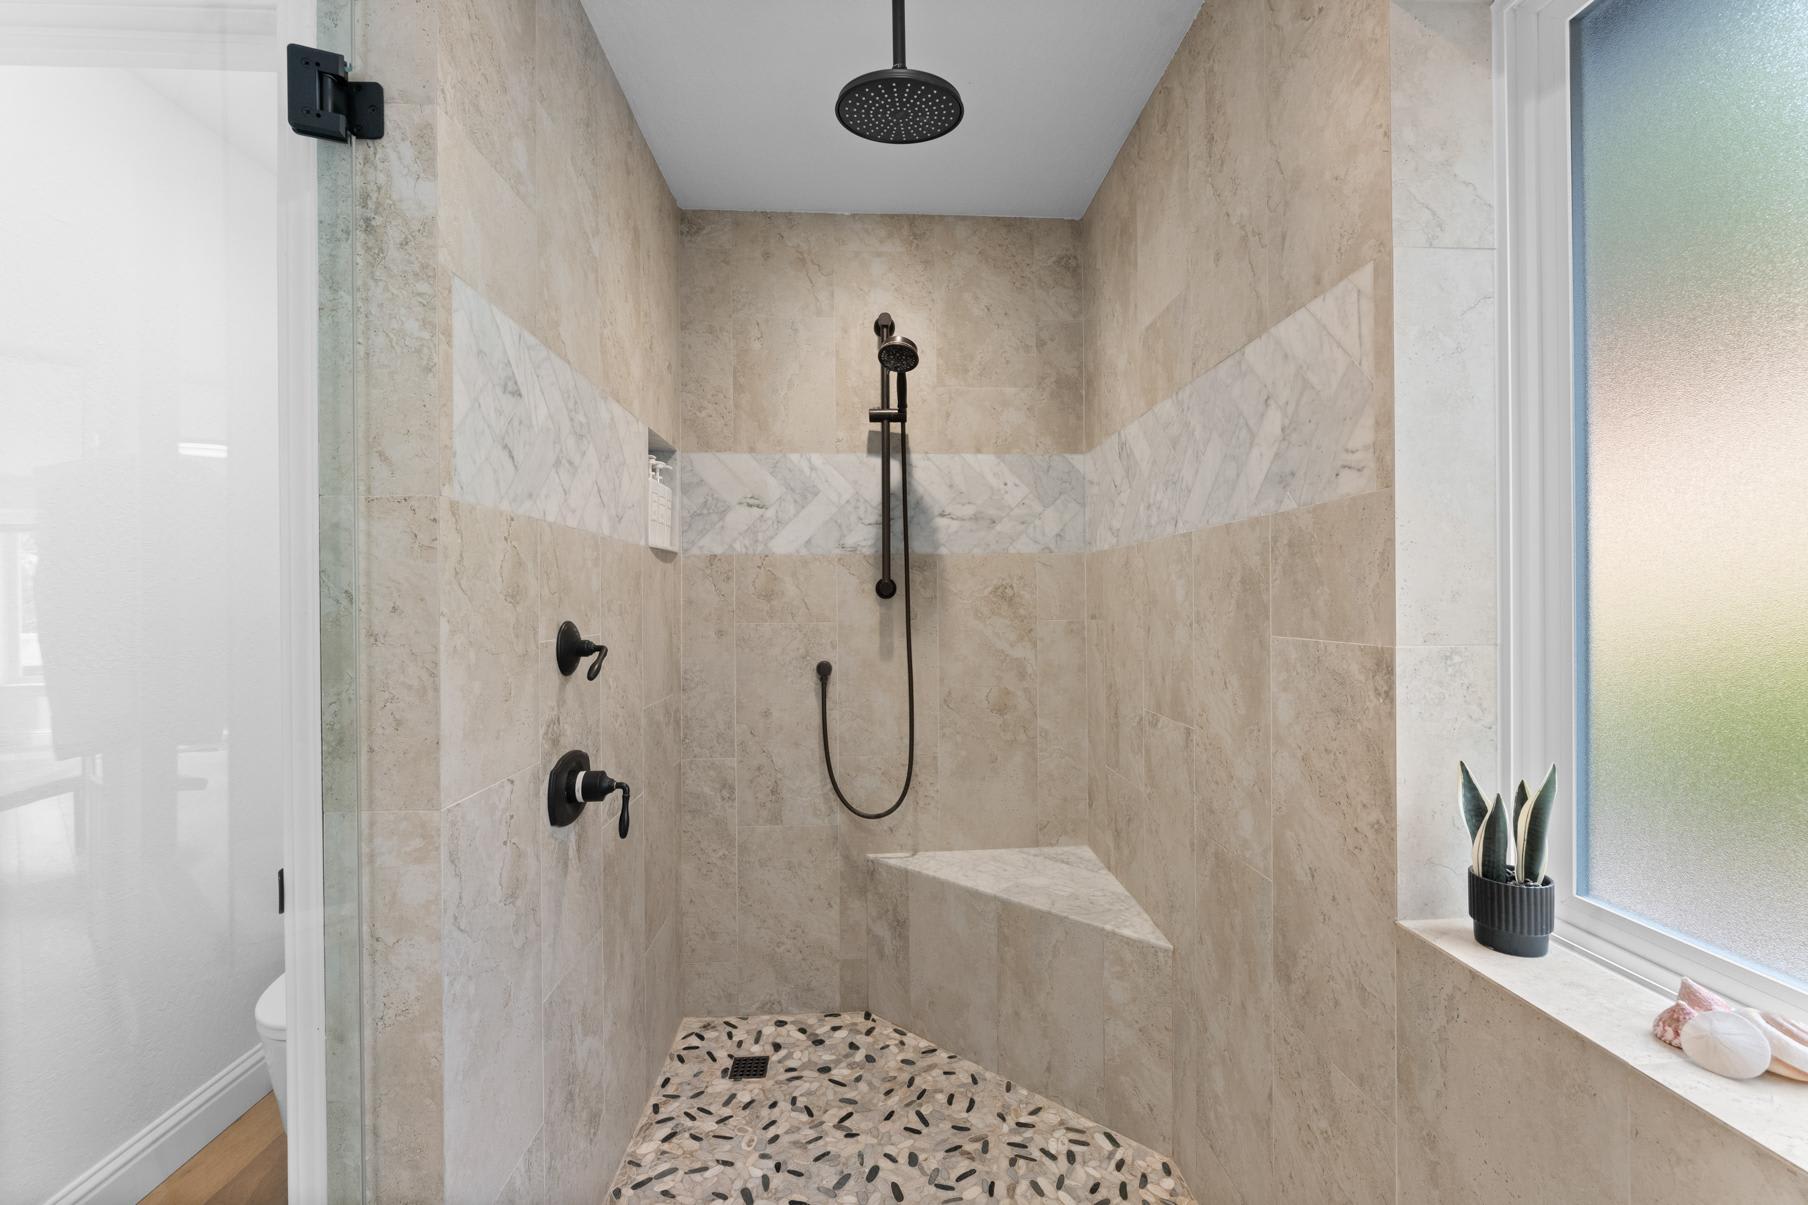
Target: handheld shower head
897	354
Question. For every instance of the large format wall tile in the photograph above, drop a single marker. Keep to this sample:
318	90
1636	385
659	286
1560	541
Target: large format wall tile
487	651
1476	1063
1334	570
1155	857
1331	1140
1060	795
1447	698
655	821
1230	653
405	425
1328	125
1447	434
1679	1155
1443	145
708	891
780	777
401	674
491	963
790	925
1139	1040
778	353
988	721
707	648
1334	838
403	1014
951	927
576	1076
1229	977
1051	1021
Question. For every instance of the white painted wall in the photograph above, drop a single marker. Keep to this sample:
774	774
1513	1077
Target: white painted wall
138	452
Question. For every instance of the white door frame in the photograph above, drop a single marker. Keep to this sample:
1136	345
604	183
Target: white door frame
298	400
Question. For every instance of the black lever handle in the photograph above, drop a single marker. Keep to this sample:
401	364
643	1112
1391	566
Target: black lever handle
572	648
573	784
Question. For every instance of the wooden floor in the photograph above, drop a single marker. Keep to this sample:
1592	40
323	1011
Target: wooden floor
248	1164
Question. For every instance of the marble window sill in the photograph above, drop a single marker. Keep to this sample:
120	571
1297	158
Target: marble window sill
1615	1014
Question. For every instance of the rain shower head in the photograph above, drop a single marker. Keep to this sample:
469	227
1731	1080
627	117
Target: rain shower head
897	354
896	104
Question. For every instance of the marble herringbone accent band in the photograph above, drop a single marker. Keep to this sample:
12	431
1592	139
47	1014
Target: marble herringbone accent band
532	436
799	502
1286	422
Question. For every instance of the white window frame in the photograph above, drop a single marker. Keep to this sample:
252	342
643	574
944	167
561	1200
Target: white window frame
1539	563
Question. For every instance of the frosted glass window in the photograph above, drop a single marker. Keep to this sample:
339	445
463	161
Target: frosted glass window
1691	255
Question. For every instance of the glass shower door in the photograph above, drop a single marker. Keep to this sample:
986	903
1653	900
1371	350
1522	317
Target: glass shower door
157	527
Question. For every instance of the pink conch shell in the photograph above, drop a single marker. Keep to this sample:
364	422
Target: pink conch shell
1701	999
1669	1023
1788	1057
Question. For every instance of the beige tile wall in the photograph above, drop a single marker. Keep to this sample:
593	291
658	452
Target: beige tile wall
1477	1062
1241	677
1242	727
778	356
521	981
1255	179
1446	420
1215	712
778	312
773	879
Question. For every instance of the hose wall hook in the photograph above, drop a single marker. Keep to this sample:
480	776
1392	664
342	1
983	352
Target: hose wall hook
572	648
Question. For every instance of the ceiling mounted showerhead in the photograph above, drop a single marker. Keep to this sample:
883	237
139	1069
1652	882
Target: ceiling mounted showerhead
898	105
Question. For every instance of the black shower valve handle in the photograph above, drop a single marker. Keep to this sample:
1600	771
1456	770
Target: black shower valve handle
571	648
572	785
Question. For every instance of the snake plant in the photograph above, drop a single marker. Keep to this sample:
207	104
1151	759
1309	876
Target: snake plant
1489	826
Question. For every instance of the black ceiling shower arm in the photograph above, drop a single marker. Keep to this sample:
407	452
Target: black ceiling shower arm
897	33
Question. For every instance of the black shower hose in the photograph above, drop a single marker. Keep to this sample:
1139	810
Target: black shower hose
910	669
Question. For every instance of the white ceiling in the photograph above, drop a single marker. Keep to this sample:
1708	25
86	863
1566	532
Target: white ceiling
737	98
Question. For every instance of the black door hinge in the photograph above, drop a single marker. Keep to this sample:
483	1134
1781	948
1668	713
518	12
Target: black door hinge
323	103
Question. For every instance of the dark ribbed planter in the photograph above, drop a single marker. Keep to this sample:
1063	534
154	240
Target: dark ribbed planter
1514	918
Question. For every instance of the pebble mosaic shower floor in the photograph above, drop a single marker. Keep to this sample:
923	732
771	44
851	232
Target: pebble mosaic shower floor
854	1109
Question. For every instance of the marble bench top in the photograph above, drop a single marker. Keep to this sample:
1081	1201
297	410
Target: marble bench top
1068	880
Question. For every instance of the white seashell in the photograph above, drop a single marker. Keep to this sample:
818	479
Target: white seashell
1726	1044
1791	1029
1788	1057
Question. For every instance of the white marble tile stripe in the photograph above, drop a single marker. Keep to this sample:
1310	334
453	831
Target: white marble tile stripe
810	503
532	436
1286	422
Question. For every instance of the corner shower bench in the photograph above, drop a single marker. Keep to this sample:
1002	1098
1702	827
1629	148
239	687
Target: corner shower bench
1036	963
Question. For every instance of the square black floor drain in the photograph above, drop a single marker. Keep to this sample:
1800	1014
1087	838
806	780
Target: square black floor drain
748	1066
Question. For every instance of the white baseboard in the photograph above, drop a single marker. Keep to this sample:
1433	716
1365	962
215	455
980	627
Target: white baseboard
150	1156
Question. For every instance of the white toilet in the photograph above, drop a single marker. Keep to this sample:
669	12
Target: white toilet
272	1014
